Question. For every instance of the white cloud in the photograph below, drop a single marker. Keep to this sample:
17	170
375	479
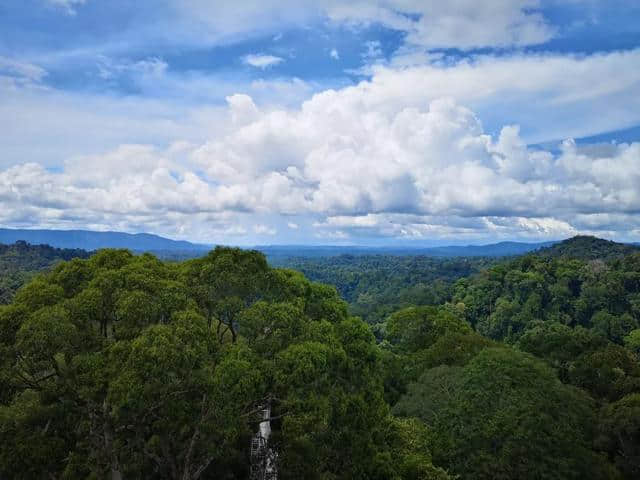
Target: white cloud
168	107
537	92
463	24
550	95
18	74
454	228
149	67
340	157
133	188
21	69
414	173
68	5
262	61
264	230
334	54
293	226
372	50
338	235
402	155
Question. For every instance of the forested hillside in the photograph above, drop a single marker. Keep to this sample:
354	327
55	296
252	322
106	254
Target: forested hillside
508	299
19	262
377	285
578	313
586	247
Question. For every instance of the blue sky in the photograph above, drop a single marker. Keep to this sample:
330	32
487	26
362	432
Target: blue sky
361	122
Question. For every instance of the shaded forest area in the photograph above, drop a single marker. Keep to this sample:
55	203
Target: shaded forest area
125	366
20	261
377	285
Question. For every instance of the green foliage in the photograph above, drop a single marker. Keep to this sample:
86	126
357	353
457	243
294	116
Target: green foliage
576	314
417	328
411	441
608	373
632	341
20	262
377	285
503	301
126	366
613	327
123	365
505	415
419	338
620	430
586	247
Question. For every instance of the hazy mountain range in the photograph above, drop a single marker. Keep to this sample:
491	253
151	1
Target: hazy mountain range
165	247
90	240
141	242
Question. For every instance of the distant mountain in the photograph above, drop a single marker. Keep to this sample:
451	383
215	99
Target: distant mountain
586	247
502	249
579	247
90	240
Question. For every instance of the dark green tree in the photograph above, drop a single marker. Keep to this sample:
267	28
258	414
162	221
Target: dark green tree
505	415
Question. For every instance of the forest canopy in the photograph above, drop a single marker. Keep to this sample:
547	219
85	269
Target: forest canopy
20	261
125	366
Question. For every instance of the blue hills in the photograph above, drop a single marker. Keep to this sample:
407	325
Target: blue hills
165	247
91	240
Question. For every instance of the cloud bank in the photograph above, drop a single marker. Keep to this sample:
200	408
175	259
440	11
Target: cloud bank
360	170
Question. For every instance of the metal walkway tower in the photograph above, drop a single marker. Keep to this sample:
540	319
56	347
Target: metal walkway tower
262	457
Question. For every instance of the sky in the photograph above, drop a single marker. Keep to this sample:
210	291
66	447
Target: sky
377	122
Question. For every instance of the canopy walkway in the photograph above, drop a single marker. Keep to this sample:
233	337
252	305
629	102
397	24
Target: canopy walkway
262	457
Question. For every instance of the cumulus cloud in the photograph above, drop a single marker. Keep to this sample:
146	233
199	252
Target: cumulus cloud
564	90
412	172
133	188
537	92
401	155
334	54
166	108
261	61
338	156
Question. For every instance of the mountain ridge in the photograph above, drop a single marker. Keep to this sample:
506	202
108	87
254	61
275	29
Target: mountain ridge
499	249
94	240
580	246
588	247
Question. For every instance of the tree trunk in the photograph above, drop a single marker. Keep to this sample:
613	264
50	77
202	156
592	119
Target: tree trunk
108	444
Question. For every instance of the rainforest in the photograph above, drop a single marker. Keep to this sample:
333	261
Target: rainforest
126	366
